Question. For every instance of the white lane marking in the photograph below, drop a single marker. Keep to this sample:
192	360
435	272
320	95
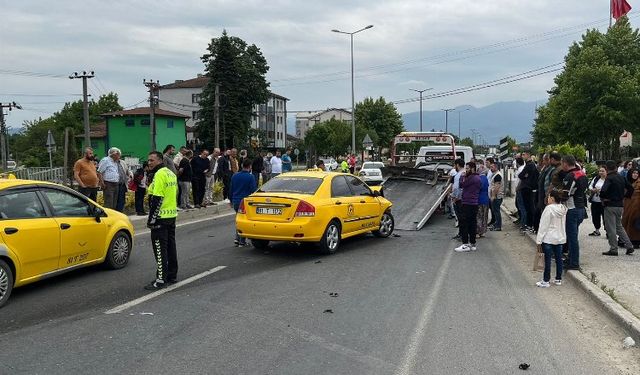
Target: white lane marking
147	231
157	293
411	350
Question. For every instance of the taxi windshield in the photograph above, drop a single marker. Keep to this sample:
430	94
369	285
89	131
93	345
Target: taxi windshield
298	185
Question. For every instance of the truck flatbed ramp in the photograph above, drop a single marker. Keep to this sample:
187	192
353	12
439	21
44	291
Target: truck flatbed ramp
415	194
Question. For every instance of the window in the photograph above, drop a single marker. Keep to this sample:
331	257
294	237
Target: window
145	122
67	205
21	205
195	98
357	186
339	187
195	115
169	124
129	122
299	185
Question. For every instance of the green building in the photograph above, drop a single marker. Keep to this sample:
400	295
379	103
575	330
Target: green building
130	131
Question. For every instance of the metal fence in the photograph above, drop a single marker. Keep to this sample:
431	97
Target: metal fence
41	174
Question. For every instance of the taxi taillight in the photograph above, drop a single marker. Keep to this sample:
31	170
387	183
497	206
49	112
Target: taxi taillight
305	209
241	209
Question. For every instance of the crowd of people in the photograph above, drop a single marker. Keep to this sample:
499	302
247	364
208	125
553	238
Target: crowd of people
552	197
475	200
197	173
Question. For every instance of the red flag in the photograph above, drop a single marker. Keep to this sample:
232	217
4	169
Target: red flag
619	8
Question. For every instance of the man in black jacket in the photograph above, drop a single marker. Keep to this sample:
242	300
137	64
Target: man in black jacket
257	166
574	185
529	178
224	173
612	193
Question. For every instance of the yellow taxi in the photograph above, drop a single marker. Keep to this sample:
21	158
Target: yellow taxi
314	206
47	229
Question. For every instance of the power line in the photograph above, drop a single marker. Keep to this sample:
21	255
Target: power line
41	95
443	58
30	74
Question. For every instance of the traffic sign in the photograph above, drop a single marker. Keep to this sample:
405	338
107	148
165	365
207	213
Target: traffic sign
626	139
296	152
504	148
367	141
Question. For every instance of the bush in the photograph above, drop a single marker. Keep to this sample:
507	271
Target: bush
566	149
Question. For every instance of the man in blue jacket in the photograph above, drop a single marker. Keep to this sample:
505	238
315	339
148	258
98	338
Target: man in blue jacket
470	184
243	184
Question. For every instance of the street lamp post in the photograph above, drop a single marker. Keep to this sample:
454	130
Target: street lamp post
446	118
459	113
420	91
353	97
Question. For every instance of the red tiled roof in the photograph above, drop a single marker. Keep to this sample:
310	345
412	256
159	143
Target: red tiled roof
141	111
192	83
98	130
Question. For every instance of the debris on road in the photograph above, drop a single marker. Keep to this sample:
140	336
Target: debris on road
328	311
146	313
396	235
524	366
628	343
318	261
333	294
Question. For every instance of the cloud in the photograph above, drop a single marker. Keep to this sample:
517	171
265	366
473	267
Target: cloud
444	45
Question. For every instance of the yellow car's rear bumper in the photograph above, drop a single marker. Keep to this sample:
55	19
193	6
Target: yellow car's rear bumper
299	230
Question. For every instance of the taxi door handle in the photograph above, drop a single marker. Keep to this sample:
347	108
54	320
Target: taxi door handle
64	226
10	230
363	202
338	202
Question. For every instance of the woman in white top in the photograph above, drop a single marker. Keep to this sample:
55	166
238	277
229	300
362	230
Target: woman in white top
597	210
551	236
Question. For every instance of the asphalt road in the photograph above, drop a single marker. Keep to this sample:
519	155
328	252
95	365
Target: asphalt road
403	305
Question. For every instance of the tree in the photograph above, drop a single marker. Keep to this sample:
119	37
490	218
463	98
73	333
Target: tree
467	142
239	69
597	95
380	118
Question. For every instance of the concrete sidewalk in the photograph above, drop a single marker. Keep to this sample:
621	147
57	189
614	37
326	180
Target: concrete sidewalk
140	222
606	278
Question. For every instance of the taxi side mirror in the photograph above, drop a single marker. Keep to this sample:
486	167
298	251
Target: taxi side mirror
97	213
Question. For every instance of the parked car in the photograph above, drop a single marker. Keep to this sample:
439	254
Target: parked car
330	163
47	229
371	172
316	207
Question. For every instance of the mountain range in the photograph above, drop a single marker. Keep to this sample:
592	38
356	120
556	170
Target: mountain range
492	122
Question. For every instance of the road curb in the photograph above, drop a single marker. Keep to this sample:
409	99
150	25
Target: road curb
140	222
615	310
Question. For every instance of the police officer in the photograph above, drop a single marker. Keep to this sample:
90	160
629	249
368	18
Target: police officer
163	211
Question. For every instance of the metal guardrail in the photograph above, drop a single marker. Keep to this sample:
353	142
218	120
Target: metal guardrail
40	174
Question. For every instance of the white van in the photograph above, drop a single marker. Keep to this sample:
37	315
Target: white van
431	154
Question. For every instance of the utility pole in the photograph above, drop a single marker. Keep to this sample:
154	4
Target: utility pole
85	104
420	91
446	118
4	149
153	87
217	115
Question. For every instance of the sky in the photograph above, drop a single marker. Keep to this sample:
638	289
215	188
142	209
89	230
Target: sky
414	44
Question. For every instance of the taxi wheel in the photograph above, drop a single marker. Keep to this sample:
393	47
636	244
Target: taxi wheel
331	238
119	251
260	244
6	282
387	225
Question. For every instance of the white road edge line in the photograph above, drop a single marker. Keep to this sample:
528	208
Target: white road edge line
411	350
146	231
145	298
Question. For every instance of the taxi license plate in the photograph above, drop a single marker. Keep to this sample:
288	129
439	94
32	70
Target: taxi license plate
269	211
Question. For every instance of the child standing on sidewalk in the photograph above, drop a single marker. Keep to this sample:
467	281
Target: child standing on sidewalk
552	235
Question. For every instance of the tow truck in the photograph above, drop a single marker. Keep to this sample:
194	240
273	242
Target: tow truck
418	184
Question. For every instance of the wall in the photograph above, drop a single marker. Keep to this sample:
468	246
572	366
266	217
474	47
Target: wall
182	96
98	145
134	141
